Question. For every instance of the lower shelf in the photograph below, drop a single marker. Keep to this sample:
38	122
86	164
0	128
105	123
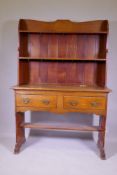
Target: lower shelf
59	126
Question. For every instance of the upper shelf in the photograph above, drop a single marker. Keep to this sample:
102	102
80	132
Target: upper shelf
63	26
88	33
63	59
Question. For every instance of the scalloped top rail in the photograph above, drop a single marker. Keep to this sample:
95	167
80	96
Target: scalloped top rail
63	26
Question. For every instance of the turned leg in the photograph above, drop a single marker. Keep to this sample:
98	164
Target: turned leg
20	131
101	137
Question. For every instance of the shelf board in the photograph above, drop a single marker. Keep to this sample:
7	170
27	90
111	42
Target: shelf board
60	126
64	59
49	32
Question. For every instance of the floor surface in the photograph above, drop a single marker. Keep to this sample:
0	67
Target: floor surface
57	155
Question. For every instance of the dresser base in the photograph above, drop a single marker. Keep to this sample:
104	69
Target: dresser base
61	100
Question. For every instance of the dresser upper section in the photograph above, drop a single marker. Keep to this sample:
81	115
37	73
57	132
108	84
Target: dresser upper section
63	26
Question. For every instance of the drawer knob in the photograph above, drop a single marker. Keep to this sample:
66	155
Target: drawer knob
73	103
94	104
26	100
46	102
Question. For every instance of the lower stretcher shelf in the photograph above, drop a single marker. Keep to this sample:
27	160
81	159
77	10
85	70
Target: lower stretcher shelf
59	126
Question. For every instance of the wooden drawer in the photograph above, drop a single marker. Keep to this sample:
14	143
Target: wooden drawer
84	102
37	101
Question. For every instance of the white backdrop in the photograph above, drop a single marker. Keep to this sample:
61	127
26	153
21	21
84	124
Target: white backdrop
78	10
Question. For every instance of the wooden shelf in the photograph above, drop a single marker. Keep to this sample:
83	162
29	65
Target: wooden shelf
65	59
82	33
60	126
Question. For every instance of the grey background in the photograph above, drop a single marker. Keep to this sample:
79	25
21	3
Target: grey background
78	10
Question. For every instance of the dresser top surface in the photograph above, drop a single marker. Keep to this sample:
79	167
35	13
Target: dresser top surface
62	87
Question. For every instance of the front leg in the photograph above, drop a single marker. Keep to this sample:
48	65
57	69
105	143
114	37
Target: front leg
20	131
101	136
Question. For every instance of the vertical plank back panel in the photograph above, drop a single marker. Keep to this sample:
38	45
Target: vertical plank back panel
63	73
64	46
90	70
53	45
34	45
34	72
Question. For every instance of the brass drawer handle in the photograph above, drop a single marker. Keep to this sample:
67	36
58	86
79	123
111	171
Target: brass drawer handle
94	104
26	100
46	102
73	103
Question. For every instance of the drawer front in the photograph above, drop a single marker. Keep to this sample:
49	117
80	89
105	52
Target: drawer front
37	101
90	103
